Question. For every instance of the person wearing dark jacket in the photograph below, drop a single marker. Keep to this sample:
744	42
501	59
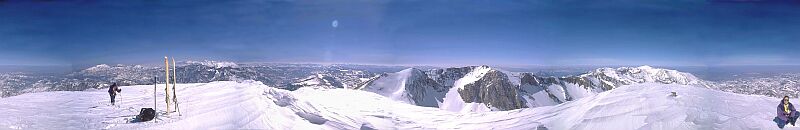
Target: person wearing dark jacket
112	91
786	113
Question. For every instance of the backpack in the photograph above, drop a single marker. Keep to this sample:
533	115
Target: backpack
146	114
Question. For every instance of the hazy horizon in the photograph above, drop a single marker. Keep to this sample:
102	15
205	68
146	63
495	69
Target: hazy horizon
711	73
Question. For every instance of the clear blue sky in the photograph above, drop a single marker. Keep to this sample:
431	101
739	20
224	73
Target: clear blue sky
541	32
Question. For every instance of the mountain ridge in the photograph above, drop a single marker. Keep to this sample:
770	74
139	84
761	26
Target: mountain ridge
497	89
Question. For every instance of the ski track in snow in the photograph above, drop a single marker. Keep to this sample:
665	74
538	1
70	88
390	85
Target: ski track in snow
252	105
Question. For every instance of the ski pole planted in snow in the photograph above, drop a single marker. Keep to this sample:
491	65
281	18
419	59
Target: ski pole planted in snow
155	103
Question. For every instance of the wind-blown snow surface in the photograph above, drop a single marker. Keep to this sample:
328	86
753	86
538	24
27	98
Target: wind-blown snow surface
228	105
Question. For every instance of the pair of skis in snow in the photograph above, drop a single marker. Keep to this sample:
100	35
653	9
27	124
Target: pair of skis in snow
171	101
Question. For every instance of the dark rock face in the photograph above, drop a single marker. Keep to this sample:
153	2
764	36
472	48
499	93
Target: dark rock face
528	78
603	77
530	84
446	77
493	89
426	88
497	91
423	90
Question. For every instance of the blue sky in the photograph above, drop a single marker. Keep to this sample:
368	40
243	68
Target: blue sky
542	32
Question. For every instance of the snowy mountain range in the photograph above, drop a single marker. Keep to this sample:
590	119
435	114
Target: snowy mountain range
486	88
272	74
291	76
252	105
472	97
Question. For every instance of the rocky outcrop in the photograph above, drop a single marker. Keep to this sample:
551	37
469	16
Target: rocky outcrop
448	76
494	90
423	90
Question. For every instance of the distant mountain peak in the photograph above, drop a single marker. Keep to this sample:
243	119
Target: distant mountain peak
411	85
215	64
98	67
642	74
645	67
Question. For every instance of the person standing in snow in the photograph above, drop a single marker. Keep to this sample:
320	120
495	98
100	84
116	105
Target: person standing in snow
786	113
112	91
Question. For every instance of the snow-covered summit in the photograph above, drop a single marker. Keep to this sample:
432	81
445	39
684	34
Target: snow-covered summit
484	89
105	68
476	74
410	86
642	74
99	67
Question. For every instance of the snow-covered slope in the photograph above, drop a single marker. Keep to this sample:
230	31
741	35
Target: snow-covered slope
216	105
410	86
251	105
